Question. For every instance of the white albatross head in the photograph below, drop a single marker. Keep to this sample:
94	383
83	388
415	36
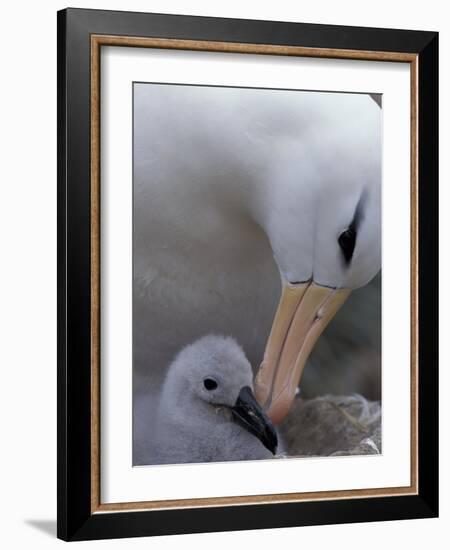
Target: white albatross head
323	220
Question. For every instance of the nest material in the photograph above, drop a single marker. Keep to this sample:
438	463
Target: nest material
333	426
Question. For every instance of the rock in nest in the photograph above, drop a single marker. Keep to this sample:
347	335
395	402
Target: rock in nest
333	426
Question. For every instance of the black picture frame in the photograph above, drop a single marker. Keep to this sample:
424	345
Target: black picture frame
76	521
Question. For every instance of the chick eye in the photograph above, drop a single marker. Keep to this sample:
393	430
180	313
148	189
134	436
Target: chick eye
210	384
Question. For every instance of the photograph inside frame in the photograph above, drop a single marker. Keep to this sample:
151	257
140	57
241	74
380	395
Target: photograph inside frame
256	273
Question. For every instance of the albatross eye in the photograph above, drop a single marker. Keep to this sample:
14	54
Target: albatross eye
210	384
347	241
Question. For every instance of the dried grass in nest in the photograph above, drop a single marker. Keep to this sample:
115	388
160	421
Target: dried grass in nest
333	426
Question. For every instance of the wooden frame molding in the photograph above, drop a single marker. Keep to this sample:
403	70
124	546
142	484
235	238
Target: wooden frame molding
96	42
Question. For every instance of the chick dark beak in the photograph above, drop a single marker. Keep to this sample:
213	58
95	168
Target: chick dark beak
249	414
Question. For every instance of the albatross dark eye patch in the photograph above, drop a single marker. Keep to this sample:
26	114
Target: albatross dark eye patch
347	241
210	384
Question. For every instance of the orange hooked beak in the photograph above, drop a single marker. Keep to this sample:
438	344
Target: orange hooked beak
303	313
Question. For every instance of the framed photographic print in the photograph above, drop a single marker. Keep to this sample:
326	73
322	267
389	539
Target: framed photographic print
247	252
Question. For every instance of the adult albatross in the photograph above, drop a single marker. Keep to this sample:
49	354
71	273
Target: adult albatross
227	180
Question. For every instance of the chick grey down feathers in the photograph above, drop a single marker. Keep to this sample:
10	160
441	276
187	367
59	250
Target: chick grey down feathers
194	424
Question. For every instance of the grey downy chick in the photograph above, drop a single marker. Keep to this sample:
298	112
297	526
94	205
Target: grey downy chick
207	411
